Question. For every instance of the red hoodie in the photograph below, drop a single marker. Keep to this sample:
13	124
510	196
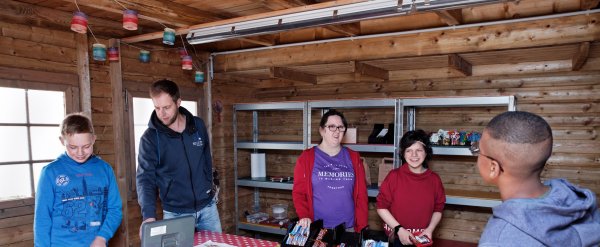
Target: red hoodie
302	192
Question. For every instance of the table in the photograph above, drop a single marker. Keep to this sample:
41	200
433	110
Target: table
240	241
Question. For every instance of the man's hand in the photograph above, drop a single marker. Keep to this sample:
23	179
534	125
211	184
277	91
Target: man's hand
147	220
98	242
304	222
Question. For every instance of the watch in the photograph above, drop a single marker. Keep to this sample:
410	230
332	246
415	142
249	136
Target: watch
396	229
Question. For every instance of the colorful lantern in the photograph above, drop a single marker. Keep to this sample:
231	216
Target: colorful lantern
169	36
79	22
130	19
182	52
99	52
113	54
144	56
186	63
199	77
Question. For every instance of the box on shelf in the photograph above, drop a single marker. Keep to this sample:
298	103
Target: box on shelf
387	164
350	136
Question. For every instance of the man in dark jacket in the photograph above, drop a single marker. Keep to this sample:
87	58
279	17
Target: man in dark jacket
174	157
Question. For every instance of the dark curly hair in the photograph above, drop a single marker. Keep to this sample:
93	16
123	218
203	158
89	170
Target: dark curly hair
411	137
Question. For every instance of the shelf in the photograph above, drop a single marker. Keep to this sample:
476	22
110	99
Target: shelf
338	104
452	150
270	106
458	197
372	148
262	228
462	102
271	145
264	183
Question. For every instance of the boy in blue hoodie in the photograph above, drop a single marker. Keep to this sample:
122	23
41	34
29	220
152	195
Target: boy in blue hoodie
513	151
77	201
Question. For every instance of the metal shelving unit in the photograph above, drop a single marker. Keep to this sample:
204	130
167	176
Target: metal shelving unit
401	107
256	144
410	106
364	104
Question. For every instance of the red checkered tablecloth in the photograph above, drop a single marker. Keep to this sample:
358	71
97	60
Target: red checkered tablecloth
240	241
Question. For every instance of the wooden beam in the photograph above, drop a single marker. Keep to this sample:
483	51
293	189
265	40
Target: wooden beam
83	70
581	56
350	29
459	64
293	75
286	4
24	13
370	70
185	30
450	17
166	12
564	30
258	41
118	124
589	4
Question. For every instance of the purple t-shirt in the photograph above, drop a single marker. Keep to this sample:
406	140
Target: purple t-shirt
333	186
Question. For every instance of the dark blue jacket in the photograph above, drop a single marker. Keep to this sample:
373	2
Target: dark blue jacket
179	165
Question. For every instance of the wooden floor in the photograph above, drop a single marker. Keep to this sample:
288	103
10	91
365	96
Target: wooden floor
451	243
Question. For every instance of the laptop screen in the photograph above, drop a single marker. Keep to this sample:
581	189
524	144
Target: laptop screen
175	232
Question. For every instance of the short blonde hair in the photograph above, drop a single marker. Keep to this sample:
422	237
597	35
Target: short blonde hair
76	123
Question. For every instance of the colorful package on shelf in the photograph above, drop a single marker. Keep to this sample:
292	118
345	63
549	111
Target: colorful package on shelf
453	138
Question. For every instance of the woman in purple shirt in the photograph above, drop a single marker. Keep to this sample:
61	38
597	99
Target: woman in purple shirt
329	180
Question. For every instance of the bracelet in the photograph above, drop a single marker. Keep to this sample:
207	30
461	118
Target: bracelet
397	228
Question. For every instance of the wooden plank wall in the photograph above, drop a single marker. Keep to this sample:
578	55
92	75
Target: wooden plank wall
33	56
567	99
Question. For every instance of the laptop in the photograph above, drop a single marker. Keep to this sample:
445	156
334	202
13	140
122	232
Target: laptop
175	232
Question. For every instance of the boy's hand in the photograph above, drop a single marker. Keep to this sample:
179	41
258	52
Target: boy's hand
98	242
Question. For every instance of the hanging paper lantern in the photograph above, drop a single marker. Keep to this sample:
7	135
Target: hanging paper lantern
113	54
144	56
130	19
79	22
186	63
199	77
182	52
99	52
169	36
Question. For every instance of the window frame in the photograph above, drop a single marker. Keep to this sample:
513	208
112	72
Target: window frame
71	93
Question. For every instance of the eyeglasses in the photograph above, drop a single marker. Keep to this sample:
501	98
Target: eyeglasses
333	128
475	150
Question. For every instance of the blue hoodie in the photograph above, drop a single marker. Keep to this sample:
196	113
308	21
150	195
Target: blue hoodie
179	165
566	216
76	202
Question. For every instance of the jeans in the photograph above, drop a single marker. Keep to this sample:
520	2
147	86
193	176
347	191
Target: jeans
206	219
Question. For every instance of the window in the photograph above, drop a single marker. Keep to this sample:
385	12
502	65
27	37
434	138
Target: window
29	126
142	110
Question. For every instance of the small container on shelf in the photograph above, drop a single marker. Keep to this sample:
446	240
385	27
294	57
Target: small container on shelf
279	211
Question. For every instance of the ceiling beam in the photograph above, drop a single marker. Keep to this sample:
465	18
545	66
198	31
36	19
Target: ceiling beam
349	29
373	71
185	30
258	41
565	30
286	4
293	75
580	56
29	14
450	17
162	11
589	4
459	64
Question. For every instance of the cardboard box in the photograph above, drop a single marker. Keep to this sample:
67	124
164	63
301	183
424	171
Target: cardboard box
350	136
386	165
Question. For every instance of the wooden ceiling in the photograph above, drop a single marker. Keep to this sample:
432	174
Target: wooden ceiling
105	17
105	20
